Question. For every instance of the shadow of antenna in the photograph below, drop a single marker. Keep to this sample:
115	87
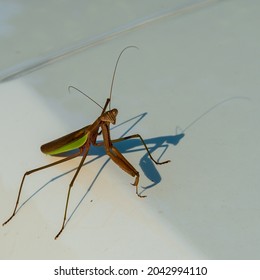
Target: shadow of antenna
178	128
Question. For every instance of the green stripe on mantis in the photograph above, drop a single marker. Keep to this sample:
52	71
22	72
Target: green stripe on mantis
70	146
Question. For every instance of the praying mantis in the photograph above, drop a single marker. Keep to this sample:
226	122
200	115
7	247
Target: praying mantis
81	140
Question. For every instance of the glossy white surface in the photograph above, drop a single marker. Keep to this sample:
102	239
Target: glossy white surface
196	71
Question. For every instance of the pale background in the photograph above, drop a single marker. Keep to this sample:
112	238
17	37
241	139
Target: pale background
196	71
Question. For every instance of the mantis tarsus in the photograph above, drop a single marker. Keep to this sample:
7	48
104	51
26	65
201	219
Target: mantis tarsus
82	139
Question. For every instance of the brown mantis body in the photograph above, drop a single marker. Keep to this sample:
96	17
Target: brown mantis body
82	139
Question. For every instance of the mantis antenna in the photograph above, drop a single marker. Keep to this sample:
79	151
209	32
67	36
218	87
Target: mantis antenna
113	77
112	83
84	95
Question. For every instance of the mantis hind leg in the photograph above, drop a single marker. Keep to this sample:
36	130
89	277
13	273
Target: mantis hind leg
33	171
85	153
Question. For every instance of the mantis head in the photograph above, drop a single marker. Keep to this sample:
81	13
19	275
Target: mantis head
109	116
